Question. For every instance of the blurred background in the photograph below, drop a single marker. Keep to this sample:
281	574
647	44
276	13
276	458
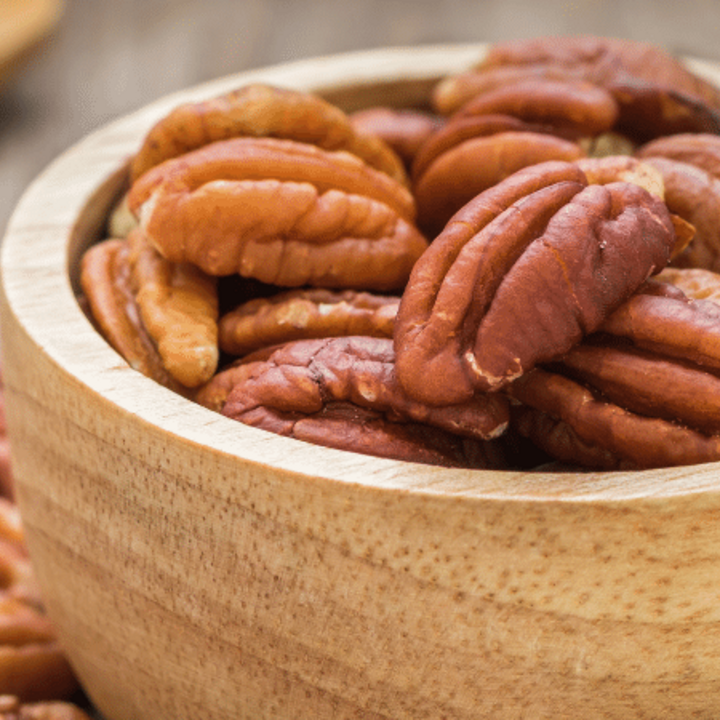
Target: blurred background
69	67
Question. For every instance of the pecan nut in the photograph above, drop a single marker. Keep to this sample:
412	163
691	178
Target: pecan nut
306	314
645	392
159	315
283	212
404	130
12	708
261	111
464	171
656	93
520	275
342	392
33	666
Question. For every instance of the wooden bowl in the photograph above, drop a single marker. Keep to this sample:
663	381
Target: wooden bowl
196	567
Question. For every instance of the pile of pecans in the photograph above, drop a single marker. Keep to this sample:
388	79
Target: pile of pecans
522	272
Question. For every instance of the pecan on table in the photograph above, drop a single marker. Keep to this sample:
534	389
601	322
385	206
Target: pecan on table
520	275
656	93
282	212
306	314
644	392
403	129
342	393
159	315
260	110
32	664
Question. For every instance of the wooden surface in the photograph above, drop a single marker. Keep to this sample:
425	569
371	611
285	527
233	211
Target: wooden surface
24	24
196	567
108	57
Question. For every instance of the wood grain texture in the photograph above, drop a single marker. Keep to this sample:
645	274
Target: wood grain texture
196	567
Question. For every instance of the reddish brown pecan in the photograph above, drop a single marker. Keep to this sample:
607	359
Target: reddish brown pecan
160	316
694	195
577	425
662	319
520	274
503	130
574	108
283	212
404	130
304	314
644	392
261	111
699	149
657	94
464	171
690	165
342	392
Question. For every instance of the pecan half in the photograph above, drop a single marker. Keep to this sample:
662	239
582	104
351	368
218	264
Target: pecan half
574	424
694	195
696	283
644	392
342	392
259	110
404	130
699	149
656	93
32	663
305	314
283	212
465	170
575	108
520	274
12	708
160	316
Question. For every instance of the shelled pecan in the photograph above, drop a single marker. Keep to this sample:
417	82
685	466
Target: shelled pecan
260	110
656	93
404	130
342	393
690	166
306	314
644	392
283	212
503	130
520	275
159	315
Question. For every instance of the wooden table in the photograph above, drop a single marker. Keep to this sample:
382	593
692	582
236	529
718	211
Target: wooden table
108	57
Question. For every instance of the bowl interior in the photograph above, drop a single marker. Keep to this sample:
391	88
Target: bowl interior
77	192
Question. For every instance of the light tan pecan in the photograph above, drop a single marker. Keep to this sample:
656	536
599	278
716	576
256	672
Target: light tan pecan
160	316
283	212
520	275
305	314
260	110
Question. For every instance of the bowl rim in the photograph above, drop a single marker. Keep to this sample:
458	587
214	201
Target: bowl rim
39	254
